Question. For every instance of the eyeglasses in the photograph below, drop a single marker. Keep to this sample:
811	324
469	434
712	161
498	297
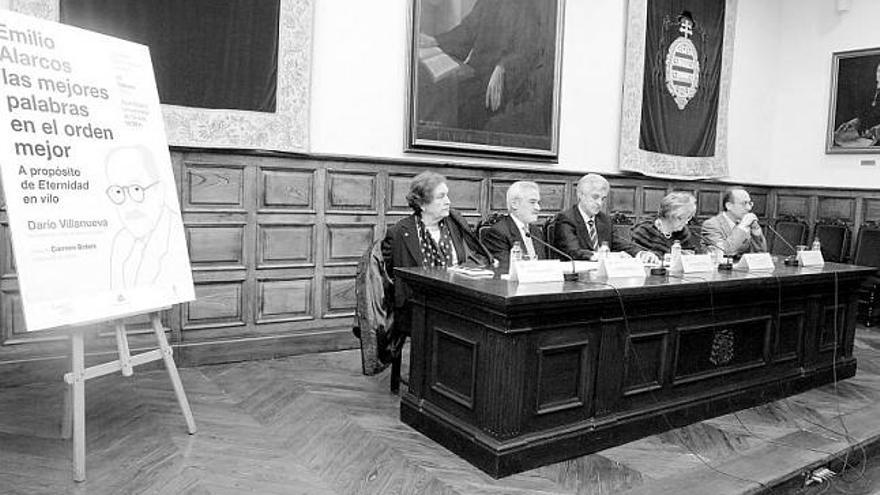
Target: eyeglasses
134	191
747	203
682	218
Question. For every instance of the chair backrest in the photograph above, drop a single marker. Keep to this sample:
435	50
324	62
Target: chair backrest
696	231
621	226
834	239
484	223
549	229
868	246
793	231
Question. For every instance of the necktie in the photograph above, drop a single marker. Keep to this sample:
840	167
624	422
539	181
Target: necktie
594	237
530	247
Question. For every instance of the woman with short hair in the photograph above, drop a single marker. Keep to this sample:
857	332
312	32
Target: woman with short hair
652	239
434	235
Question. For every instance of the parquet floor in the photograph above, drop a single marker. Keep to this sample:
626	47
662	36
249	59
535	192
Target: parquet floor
314	425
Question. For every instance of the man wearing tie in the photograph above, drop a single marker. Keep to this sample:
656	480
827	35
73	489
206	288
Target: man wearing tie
735	230
581	229
523	205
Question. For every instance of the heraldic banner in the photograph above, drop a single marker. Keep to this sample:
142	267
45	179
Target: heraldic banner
676	87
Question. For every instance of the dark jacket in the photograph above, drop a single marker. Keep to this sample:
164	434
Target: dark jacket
573	237
401	248
374	295
499	238
646	237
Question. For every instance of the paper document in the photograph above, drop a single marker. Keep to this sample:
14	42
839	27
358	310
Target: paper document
440	65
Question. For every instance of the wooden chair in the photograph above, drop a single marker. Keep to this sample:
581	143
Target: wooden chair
868	254
484	224
621	226
834	236
549	229
696	229
793	232
375	326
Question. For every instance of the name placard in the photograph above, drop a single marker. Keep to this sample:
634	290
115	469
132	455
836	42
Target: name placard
526	272
756	262
811	258
621	267
695	263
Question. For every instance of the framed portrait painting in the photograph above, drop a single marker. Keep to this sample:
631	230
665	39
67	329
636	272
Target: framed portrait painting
484	76
854	113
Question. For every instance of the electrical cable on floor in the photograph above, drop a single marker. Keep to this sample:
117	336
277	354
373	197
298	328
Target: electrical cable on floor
846	435
735	413
851	443
672	429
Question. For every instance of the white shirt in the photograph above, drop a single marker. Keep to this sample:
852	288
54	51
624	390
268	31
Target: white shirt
526	235
587	220
733	224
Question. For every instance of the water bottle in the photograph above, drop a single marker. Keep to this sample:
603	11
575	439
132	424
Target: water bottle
675	255
603	251
516	252
817	246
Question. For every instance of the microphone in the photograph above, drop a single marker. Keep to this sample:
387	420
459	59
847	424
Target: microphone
573	276
493	263
791	260
725	265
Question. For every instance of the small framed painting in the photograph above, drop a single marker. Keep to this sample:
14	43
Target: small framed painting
854	113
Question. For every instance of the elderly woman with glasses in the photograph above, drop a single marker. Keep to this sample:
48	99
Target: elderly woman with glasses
654	238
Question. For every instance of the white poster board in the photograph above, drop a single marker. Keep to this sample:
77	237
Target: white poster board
90	193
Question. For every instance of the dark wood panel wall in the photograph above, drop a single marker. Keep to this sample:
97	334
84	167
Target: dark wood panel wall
275	241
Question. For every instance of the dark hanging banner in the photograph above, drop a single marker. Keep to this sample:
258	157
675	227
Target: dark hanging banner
206	53
683	57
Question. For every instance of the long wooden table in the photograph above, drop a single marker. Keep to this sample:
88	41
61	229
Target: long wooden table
514	376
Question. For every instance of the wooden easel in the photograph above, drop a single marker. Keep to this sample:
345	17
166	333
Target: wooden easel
76	380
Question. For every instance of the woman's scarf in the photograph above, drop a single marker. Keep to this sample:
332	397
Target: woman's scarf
435	253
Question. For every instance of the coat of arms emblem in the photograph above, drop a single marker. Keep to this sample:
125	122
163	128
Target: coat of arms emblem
682	64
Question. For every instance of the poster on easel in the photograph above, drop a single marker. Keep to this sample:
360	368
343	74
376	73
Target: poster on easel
87	177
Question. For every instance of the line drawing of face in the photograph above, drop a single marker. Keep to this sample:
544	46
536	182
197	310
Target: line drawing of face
134	189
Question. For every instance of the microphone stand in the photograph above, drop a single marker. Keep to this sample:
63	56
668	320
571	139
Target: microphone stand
573	276
724	266
790	260
659	271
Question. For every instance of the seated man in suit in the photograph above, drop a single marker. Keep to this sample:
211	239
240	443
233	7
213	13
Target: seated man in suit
735	230
581	229
523	205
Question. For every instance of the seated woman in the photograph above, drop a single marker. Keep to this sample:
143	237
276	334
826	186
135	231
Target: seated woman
652	239
433	236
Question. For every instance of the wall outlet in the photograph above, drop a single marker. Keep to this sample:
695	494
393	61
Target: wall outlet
868	163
